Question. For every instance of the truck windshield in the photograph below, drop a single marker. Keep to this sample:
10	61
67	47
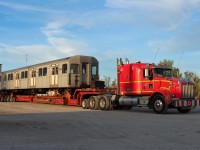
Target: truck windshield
163	72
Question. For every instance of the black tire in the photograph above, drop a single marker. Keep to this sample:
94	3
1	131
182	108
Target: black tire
6	99
104	103
159	105
13	99
64	101
85	104
93	102
184	111
111	106
96	103
9	99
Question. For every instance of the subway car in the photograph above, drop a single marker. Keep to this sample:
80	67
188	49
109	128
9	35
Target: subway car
67	73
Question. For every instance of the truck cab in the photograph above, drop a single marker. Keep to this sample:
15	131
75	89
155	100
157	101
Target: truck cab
141	84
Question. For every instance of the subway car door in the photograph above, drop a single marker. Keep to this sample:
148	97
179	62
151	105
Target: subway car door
16	80
54	75
32	77
85	73
74	76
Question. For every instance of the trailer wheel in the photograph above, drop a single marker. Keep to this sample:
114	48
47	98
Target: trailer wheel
6	99
104	103
85	104
13	99
159	105
93	102
3	99
184	111
96	103
64	101
10	99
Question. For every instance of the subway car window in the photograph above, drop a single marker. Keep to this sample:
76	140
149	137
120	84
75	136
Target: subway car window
55	70
84	69
64	68
33	74
45	71
10	76
4	77
94	70
74	69
25	74
22	75
40	72
17	75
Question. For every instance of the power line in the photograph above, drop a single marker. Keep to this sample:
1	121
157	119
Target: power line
156	55
180	59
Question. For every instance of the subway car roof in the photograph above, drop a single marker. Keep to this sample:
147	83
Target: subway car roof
52	61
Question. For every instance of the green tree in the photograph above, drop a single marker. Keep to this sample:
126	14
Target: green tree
195	78
166	63
107	80
114	82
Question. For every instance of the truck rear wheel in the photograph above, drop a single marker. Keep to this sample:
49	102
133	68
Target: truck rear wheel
85	104
159	105
183	110
104	103
93	102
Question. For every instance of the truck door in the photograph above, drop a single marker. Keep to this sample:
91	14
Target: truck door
33	77
54	74
147	83
85	73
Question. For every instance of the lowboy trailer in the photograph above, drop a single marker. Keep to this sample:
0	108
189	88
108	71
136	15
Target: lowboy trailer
138	84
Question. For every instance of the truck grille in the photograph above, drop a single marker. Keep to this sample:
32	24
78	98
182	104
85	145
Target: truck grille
188	91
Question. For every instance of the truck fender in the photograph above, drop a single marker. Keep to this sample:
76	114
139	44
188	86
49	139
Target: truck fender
165	93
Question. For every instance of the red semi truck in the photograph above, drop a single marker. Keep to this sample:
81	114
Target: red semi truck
138	84
143	84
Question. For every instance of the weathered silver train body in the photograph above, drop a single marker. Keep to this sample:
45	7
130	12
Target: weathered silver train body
72	72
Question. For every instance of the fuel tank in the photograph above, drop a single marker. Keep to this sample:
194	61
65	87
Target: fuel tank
128	101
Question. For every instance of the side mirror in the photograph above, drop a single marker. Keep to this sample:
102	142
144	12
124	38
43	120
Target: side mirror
146	73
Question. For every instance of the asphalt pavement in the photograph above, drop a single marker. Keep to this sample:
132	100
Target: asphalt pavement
28	126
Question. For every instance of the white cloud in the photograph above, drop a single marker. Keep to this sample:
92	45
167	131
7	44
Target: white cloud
187	42
59	44
57	48
24	7
154	5
168	14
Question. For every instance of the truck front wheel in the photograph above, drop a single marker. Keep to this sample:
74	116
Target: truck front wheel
159	105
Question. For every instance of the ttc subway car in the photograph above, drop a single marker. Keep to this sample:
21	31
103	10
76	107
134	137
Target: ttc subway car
72	72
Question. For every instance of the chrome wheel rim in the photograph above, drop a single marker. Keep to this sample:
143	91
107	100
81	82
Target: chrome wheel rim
102	103
158	105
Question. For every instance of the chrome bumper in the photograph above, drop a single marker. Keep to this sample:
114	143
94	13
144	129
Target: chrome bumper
186	103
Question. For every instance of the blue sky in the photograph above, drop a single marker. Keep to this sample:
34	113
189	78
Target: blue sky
106	29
